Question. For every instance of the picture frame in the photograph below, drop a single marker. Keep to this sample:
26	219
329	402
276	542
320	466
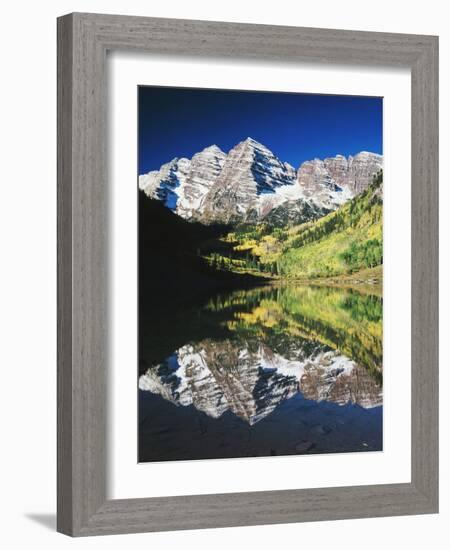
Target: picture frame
83	41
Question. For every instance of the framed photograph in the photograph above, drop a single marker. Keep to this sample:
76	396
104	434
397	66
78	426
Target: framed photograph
247	274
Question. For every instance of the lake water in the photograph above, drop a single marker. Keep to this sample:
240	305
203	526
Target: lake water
267	371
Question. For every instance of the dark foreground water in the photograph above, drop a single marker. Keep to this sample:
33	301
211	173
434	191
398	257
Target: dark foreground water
262	372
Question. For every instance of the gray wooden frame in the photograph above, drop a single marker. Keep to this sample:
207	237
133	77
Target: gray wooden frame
83	40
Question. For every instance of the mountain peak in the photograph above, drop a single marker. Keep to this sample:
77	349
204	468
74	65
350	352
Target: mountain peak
253	143
213	149
249	181
367	154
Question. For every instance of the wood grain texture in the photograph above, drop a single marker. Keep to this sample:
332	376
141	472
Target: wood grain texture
64	298
425	273
83	40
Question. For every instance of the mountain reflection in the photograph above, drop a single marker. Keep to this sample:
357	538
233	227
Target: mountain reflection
271	343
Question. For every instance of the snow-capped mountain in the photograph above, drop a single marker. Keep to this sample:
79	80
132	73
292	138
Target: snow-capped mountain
250	173
318	177
251	184
182	184
218	376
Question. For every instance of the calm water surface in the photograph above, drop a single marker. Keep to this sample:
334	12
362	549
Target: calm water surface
260	372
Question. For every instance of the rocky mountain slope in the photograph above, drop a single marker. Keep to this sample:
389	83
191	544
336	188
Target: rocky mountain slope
342	242
251	184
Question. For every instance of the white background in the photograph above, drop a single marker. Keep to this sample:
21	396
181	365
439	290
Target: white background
28	301
131	480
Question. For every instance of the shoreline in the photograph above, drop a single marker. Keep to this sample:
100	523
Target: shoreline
367	281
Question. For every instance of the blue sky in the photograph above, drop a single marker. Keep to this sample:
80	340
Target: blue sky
179	122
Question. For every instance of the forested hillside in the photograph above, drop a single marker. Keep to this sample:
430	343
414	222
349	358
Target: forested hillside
343	242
